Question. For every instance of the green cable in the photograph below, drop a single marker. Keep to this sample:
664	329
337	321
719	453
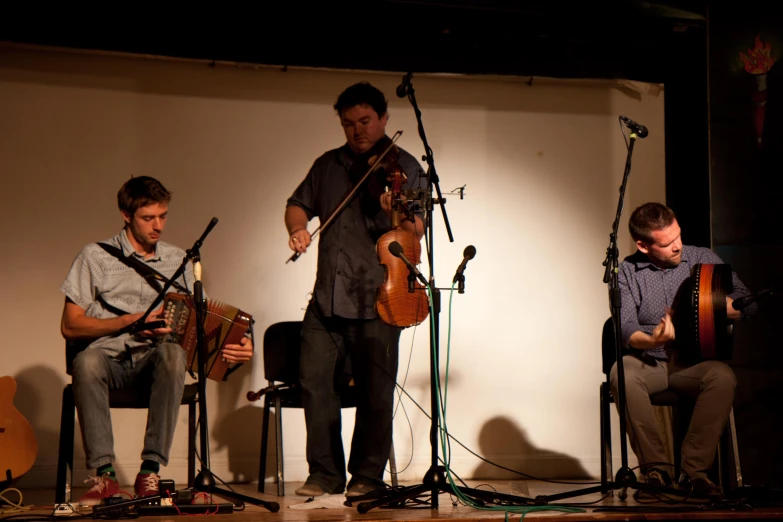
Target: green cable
443	432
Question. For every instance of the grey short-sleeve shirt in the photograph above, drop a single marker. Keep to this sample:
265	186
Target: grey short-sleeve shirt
104	287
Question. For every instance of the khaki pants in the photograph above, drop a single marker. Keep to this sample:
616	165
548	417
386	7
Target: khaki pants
711	383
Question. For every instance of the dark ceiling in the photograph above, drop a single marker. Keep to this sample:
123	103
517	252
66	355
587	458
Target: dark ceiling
630	39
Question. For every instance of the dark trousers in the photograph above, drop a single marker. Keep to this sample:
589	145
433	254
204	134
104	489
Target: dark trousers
372	347
711	383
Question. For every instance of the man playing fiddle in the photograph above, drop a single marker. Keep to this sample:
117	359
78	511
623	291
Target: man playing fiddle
341	318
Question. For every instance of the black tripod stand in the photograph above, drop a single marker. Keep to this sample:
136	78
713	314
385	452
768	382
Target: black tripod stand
435	481
205	481
625	477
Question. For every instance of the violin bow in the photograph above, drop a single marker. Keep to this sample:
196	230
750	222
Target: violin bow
350	195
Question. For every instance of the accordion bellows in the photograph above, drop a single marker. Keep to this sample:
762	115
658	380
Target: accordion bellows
224	324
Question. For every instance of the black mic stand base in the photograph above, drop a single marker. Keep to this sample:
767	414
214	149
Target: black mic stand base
624	479
205	483
434	483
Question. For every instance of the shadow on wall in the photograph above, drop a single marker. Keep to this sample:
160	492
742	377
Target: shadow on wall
238	428
39	400
504	443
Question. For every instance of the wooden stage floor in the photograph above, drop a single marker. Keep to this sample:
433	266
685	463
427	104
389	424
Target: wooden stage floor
591	507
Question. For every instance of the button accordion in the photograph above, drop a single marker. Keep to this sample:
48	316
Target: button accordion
702	329
224	324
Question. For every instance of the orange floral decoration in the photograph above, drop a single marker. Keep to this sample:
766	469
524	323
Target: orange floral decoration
759	60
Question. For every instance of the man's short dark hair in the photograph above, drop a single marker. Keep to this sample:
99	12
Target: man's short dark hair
359	94
140	192
648	218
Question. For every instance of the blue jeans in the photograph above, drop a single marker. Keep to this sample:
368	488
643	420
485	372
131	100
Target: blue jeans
160	374
372	347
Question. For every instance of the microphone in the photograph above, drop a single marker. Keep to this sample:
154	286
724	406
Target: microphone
468	254
743	302
639	130
402	89
396	250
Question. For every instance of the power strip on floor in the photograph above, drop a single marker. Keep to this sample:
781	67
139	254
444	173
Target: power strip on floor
64	510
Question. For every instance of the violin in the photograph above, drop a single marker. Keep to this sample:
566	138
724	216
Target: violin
401	300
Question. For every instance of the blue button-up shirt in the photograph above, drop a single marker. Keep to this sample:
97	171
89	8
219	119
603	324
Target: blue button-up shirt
104	286
349	272
647	291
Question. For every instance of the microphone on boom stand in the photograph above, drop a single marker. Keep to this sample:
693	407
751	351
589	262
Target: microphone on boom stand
639	130
396	250
459	277
404	87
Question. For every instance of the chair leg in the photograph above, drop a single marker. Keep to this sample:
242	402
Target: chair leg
729	466
65	458
735	449
393	466
264	445
678	436
606	438
279	436
191	444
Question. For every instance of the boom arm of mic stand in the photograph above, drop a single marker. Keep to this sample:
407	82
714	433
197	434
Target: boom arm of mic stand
431	173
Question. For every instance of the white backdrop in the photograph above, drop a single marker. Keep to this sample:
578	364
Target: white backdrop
541	163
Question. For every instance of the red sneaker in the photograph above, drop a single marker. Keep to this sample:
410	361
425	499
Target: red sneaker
146	484
105	486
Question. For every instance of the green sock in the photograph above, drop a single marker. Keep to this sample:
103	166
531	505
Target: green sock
149	466
107	468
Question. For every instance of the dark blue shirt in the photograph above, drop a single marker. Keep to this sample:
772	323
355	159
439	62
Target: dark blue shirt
349	271
647	290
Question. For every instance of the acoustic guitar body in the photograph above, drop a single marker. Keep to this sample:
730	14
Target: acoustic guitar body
18	444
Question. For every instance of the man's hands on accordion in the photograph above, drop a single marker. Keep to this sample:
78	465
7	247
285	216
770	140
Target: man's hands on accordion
238	353
157	315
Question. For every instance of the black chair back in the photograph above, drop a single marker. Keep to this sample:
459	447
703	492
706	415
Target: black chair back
72	349
281	351
608	351
282	345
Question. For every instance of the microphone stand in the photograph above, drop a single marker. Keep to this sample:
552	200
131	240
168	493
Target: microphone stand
205	481
625	477
434	480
